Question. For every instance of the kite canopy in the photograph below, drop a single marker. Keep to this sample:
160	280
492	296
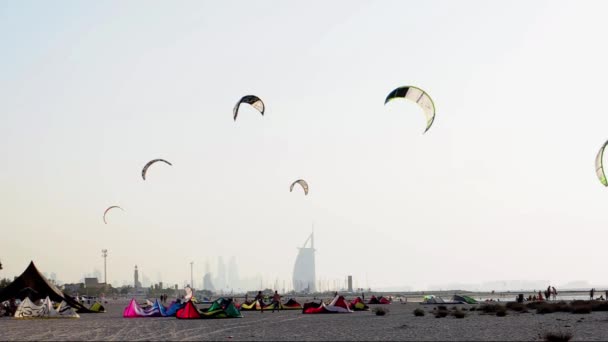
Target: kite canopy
133	310
302	183
599	165
97	307
464	299
381	300
110	208
66	311
189	311
337	305
145	169
31	283
27	309
358	305
222	308
252	100
173	308
420	97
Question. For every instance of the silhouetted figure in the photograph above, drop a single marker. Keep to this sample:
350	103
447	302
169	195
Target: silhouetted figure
591	293
260	299
276	301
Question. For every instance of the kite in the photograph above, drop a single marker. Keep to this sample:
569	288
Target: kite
420	97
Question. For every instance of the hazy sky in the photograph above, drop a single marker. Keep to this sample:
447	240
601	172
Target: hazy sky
501	187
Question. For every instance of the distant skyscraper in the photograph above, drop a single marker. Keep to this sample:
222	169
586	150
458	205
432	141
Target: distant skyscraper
136	282
304	268
233	274
207	283
220	281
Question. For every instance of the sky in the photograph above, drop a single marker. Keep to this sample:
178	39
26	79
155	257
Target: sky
501	187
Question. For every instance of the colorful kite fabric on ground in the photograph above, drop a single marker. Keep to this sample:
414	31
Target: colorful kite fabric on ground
358	305
189	311
337	305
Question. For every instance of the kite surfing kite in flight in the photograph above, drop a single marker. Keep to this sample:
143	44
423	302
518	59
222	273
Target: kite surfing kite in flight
420	97
599	165
253	100
302	183
110	208
145	169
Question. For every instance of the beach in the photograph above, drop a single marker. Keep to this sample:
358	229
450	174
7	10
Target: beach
399	324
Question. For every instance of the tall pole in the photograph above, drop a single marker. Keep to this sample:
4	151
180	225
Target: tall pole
191	274
104	254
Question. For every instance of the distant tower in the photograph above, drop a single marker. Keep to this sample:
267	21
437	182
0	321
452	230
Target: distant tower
136	284
350	283
220	281
233	274
304	277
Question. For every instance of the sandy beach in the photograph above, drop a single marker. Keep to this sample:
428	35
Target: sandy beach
398	324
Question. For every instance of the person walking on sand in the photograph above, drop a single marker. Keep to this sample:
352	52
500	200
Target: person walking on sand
276	301
260	299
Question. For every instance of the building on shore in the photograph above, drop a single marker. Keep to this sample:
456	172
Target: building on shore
304	274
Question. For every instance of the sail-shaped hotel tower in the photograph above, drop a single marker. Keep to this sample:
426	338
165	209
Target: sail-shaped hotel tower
304	269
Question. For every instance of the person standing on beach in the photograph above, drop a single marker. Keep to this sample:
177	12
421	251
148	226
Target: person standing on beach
591	293
554	292
276	301
260	299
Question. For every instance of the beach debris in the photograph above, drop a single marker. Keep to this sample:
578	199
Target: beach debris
148	164
557	337
420	97
302	183
441	312
380	311
252	100
110	208
459	314
419	312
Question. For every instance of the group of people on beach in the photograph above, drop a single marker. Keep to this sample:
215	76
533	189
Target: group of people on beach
275	302
163	298
592	295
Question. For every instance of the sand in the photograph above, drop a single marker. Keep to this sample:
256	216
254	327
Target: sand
399	324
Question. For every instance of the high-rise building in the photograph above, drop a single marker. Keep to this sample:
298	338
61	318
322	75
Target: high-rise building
233	274
220	280
304	268
136	282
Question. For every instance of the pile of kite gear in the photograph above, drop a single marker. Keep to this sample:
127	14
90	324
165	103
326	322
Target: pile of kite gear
257	305
337	305
28	310
380	300
220	308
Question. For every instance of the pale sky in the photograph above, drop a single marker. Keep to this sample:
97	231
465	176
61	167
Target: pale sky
501	187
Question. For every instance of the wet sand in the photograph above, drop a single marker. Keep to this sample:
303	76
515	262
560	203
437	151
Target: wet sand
399	324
